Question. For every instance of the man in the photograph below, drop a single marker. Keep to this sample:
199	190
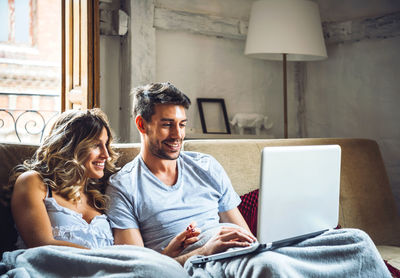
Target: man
163	190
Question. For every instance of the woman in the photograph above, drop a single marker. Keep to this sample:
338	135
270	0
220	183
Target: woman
58	196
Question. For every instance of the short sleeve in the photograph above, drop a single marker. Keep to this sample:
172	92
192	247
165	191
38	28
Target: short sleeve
229	198
121	210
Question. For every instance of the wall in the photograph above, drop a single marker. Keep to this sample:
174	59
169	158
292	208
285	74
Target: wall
208	67
110	80
201	65
356	93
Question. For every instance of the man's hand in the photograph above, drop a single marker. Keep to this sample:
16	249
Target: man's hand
182	240
226	238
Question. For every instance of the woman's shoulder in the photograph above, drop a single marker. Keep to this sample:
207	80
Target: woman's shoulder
29	176
29	181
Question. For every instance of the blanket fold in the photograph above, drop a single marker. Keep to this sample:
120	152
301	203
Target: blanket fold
115	261
336	253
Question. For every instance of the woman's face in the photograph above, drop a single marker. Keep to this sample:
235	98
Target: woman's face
97	157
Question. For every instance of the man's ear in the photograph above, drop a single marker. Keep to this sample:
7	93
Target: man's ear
140	124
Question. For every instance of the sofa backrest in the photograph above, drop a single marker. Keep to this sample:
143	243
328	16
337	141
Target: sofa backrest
127	152
10	156
366	199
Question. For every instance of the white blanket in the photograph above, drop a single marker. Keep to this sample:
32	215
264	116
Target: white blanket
337	253
113	261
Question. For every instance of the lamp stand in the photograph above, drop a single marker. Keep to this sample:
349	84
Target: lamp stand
285	113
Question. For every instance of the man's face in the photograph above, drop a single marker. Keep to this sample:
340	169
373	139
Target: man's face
166	130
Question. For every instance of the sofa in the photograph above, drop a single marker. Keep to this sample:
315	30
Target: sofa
366	200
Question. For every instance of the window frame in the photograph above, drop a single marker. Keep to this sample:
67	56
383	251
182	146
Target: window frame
80	80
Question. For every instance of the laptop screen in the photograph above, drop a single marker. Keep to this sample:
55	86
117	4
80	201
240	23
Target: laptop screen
299	191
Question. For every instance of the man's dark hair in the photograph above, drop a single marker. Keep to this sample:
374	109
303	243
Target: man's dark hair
147	96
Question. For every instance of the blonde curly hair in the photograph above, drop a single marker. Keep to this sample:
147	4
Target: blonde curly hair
59	160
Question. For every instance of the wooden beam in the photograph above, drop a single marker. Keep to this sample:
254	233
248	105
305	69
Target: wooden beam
334	32
204	24
381	27
143	42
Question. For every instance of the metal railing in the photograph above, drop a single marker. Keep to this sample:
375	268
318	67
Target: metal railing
25	123
22	117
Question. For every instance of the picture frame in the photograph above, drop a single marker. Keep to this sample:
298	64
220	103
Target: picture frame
213	116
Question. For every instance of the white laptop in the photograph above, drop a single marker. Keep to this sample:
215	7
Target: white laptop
298	197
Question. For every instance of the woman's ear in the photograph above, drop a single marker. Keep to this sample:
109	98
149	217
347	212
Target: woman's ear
140	124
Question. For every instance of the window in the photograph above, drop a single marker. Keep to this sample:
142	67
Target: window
54	70
17	18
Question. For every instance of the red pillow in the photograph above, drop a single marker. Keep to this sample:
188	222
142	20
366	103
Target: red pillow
394	271
248	207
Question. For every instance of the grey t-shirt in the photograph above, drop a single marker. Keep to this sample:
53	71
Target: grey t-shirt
140	200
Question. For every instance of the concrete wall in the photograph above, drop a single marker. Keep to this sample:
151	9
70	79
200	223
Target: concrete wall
356	93
208	67
110	80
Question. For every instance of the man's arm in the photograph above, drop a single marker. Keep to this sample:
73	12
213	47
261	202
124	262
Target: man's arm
226	238
234	216
128	236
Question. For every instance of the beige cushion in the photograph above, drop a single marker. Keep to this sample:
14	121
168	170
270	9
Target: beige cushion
127	152
391	254
240	159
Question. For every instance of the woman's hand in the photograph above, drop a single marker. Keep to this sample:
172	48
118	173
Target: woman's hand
182	240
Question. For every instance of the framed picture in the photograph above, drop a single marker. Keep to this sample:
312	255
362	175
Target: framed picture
213	116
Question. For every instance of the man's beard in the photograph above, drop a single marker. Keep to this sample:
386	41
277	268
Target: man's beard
160	153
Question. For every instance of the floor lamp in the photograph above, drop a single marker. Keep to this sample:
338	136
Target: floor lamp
287	30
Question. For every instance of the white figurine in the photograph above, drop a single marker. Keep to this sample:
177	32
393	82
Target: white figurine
251	120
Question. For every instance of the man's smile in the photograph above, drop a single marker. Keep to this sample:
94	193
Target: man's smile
173	145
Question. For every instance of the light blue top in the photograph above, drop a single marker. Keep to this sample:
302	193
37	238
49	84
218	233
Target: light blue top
140	200
68	225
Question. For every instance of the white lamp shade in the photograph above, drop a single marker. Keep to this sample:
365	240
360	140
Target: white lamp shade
291	27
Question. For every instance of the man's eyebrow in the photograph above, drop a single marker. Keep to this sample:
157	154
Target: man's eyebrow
171	120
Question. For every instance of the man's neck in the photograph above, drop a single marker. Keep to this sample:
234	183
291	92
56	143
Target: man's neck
164	169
